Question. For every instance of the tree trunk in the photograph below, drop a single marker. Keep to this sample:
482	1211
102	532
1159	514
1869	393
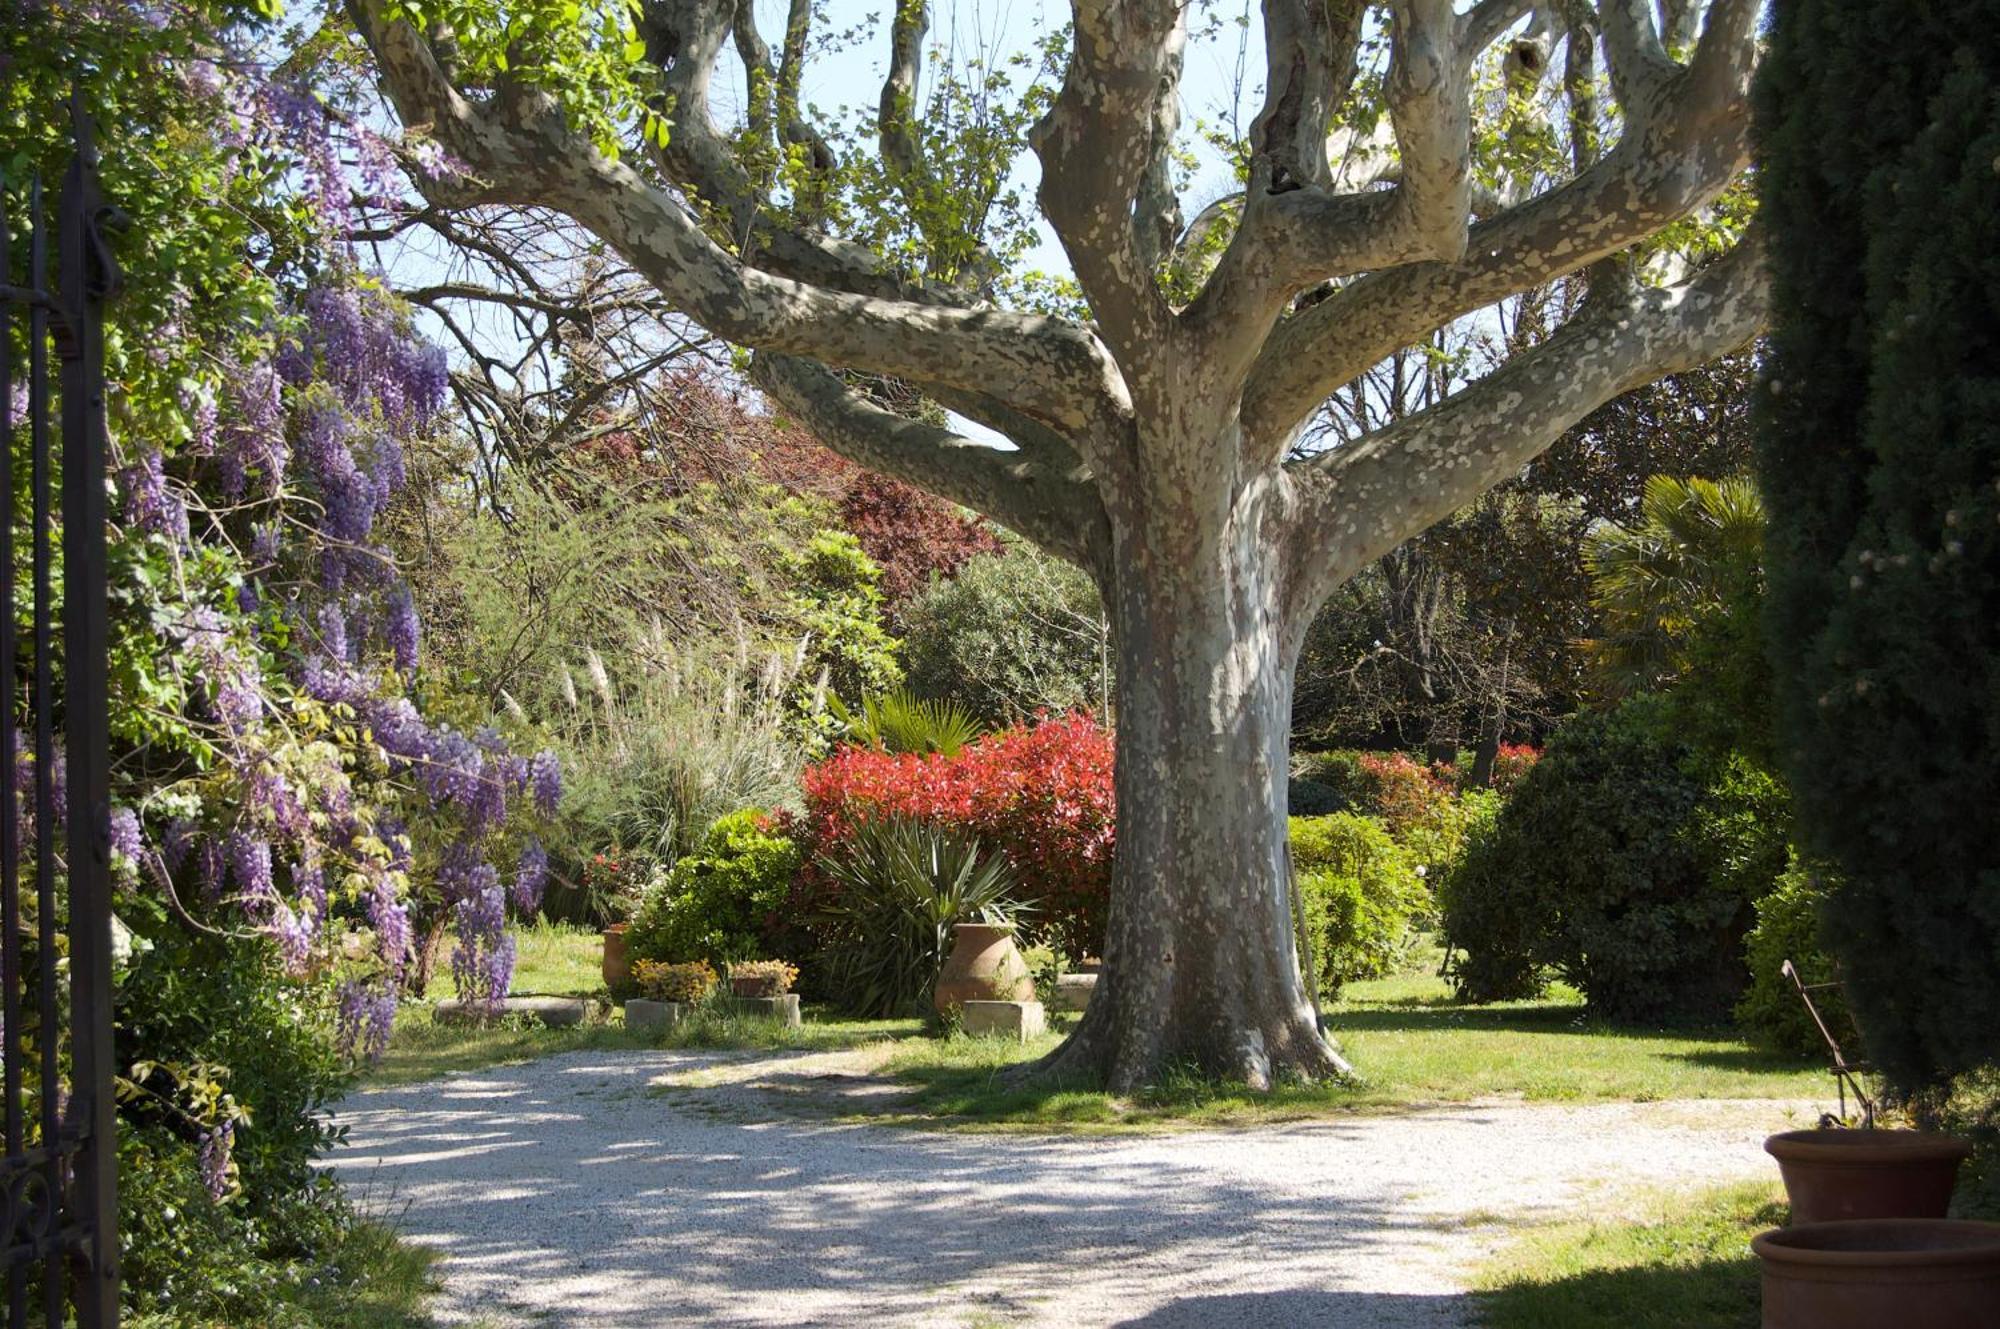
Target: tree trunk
1200	962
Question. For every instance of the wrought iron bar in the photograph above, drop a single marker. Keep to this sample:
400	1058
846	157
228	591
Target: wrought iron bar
58	1179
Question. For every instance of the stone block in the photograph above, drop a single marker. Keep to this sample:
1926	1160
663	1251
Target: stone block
556	1012
783	1008
1019	1020
1073	992
643	1014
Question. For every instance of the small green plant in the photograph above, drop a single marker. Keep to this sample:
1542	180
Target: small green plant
688	983
899	886
772	978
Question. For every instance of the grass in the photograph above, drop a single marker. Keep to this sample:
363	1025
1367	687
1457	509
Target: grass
1684	1265
1410	1042
557	960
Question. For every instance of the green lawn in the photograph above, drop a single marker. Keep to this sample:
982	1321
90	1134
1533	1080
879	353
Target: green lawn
1684	1265
1410	1042
557	960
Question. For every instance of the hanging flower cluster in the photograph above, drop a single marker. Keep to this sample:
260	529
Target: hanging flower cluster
318	805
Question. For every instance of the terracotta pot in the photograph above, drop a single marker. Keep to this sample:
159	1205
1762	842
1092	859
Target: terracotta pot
1850	1174
984	965
617	962
754	985
1937	1273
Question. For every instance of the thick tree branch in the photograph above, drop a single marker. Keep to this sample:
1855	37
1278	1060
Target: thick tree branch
1675	156
1043	367
1060	512
1365	498
1294	239
1095	145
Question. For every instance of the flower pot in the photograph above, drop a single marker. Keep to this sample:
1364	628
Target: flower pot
984	965
1851	1174
617	962
1937	1273
754	985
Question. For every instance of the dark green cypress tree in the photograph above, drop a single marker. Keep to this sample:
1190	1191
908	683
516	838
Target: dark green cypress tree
1879	455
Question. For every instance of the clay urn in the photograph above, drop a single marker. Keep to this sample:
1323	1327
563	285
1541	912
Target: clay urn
617	961
1937	1273
1832	1175
984	965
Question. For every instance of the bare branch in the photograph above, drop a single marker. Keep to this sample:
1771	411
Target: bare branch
1043	367
1675	156
895	116
1309	50
1369	496
1095	144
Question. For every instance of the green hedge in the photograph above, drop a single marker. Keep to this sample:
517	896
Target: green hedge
1360	895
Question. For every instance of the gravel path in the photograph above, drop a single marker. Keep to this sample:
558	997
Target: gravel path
625	1190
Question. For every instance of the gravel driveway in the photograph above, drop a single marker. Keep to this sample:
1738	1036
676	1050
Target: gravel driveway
644	1189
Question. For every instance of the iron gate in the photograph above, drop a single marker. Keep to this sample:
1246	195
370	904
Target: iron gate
58	1181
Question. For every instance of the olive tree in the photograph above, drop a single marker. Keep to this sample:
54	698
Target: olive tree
1154	431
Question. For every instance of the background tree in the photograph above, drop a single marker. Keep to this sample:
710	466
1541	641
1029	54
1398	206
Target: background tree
1151	438
1879	456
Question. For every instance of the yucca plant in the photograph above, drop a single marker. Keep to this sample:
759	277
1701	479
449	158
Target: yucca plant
901	721
900	886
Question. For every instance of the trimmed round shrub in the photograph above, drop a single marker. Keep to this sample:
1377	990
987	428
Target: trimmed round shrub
1012	635
719	904
1310	798
1360	896
1626	864
1788	928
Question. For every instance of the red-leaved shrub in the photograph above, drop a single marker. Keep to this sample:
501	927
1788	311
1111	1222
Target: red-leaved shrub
1040	794
1404	792
1512	763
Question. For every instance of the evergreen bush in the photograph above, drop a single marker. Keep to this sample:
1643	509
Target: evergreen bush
1625	863
720	903
1879	455
1788	928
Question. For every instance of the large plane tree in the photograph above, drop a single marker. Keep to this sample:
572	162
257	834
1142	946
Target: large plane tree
1155	430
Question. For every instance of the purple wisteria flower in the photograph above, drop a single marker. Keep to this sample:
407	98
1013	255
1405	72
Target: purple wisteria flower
531	875
150	505
294	931
401	629
126	838
250	866
217	1159
545	774
390	918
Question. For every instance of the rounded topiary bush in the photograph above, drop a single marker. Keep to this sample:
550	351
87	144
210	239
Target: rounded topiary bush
1360	895
1310	798
1624	862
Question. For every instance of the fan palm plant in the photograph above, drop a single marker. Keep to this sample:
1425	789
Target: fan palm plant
1694	556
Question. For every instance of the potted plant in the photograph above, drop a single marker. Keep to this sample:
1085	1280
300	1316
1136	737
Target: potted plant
985	964
667	991
1844	1172
762	978
604	881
